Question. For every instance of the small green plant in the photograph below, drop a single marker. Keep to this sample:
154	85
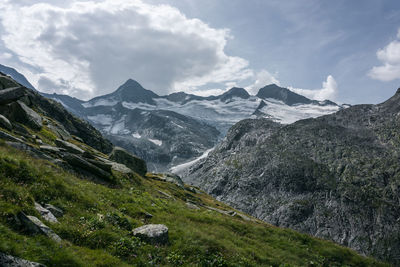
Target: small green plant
127	247
175	258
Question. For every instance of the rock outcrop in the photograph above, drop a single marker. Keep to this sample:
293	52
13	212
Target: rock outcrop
34	226
122	156
153	233
11	261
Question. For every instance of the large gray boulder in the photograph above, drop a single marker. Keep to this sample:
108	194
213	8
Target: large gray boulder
53	209
35	226
5	123
11	94
69	146
11	261
26	115
81	164
45	213
122	156
9	137
152	233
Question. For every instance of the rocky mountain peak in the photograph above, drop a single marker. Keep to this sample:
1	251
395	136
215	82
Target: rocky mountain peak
235	92
283	94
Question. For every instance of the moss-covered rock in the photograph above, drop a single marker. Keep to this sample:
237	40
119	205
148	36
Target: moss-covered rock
120	155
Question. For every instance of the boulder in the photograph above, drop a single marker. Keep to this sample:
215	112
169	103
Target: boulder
118	167
69	146
102	165
152	233
81	164
34	226
11	261
173	178
191	206
11	94
20	145
51	149
56	211
26	115
5	123
45	213
9	137
136	164
7	82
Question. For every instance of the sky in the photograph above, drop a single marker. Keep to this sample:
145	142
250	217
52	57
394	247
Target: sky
345	51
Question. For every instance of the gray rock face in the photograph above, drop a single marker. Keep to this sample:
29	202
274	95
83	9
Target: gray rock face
5	123
122	156
336	177
26	115
9	137
54	210
153	233
81	164
69	146
11	94
11	261
45	213
35	226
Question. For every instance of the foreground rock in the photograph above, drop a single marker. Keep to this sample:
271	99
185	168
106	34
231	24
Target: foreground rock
81	164
45	213
11	261
56	211
26	115
69	146
153	233
5	123
34	226
120	155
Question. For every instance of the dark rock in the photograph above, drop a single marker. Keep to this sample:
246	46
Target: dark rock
156	234
69	146
11	261
88	155
11	94
136	164
102	165
7	82
29	149
5	123
45	213
26	115
56	211
81	164
9	137
34	226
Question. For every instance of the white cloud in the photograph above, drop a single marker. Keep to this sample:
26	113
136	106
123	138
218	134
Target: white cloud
89	48
328	91
390	57
262	78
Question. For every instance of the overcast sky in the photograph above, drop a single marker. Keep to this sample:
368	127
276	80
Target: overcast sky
346	51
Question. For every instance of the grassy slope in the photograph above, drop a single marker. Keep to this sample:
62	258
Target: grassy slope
98	220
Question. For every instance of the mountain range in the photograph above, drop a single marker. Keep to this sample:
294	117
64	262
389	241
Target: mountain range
168	131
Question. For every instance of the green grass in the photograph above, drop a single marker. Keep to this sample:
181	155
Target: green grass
96	227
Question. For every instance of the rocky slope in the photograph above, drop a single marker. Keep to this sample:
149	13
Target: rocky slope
336	177
65	203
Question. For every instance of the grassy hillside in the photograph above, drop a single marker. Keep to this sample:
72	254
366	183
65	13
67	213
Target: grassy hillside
99	218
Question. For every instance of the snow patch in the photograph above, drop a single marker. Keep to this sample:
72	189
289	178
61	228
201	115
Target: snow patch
100	102
101	119
155	141
136	135
178	169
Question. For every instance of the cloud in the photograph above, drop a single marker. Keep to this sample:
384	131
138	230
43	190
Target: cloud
262	78
390	57
87	48
328	91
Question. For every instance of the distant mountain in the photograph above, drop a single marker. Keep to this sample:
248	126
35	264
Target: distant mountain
336	176
192	123
16	76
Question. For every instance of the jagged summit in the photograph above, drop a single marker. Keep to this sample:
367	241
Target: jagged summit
288	97
234	92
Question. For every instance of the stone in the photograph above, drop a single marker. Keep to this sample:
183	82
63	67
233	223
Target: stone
5	123
28	116
11	94
88	155
45	213
118	167
56	211
11	261
9	137
156	234
39	142
122	156
34	226
81	164
192	206
7	82
20	145
69	146
51	149
102	165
